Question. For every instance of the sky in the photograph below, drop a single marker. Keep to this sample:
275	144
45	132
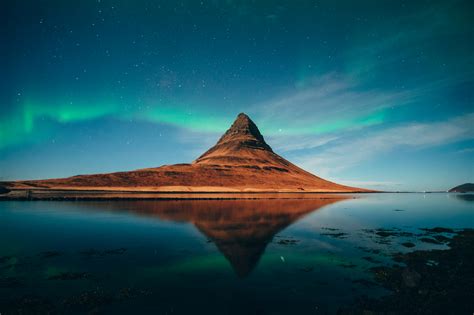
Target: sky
377	94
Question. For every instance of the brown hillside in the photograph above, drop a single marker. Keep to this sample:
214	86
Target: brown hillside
241	161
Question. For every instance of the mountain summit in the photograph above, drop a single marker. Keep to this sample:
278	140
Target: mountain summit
241	161
243	135
241	144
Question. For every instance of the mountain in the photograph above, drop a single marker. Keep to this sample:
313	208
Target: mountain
464	188
241	161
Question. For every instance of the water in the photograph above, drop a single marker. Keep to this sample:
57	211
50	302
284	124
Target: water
307	256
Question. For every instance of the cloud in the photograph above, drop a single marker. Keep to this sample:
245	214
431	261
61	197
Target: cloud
294	143
196	142
330	102
348	152
368	183
466	150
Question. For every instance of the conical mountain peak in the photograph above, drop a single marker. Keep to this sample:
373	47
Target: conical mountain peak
241	143
244	130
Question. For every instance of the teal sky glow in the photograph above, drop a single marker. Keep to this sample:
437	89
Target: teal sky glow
378	94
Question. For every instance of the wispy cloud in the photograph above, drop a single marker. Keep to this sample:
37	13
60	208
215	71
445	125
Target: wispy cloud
330	102
196	143
294	143
368	183
466	150
348	151
333	102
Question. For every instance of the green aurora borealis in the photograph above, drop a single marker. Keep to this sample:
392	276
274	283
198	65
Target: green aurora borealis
27	123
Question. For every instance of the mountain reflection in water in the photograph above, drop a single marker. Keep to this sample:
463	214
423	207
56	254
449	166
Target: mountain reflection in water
241	229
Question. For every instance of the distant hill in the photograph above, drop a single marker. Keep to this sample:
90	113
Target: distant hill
467	187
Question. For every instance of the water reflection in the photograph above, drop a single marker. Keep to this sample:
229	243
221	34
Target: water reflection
465	197
241	229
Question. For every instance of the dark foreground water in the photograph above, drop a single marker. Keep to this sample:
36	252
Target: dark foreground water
312	256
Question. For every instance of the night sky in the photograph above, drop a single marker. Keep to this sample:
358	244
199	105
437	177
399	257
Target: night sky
377	94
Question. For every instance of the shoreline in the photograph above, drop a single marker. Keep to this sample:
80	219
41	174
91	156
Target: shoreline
127	195
99	195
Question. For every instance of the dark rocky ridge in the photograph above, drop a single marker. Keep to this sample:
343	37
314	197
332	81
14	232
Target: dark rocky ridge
467	187
243	135
243	126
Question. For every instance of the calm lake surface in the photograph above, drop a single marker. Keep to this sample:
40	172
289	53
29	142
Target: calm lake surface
310	256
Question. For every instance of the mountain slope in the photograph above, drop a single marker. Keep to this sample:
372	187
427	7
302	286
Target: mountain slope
240	161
